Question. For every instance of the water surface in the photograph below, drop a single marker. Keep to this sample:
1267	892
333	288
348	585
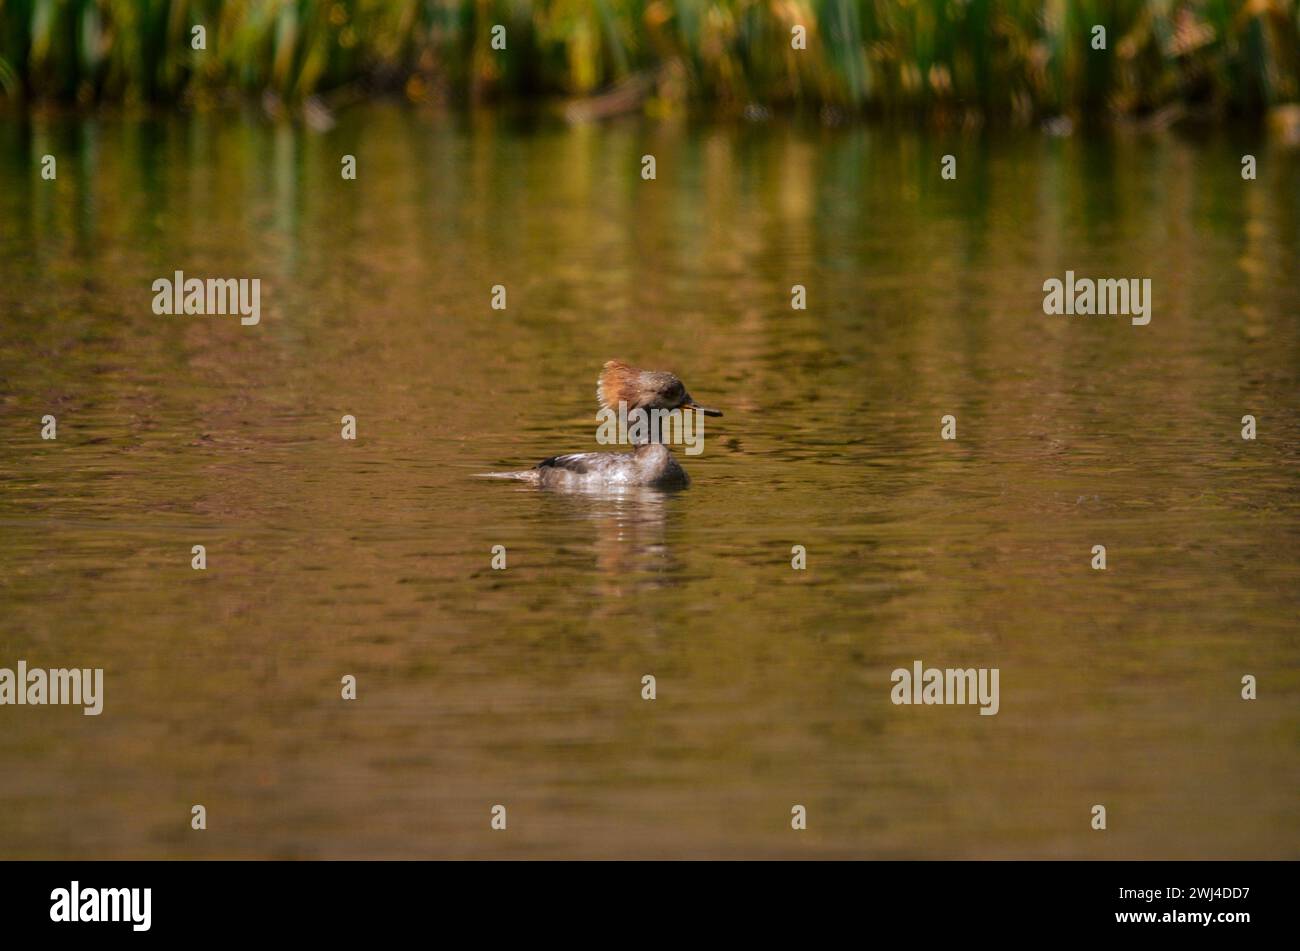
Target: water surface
523	686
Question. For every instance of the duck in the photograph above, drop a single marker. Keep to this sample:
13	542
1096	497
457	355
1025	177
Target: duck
623	389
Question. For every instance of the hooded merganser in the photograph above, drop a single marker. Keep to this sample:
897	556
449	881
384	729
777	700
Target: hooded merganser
649	464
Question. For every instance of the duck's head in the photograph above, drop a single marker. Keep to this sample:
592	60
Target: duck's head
643	389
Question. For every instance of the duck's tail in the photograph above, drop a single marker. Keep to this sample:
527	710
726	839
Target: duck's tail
523	475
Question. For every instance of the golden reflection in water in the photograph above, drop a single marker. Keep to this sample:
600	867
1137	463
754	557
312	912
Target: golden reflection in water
523	686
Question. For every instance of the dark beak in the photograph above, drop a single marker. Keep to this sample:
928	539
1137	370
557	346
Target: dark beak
691	404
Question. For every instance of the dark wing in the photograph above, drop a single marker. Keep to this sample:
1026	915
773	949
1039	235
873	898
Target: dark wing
574	462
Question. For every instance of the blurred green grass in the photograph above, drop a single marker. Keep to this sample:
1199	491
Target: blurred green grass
1019	58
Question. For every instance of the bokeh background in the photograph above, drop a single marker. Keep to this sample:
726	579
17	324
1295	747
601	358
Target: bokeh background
959	58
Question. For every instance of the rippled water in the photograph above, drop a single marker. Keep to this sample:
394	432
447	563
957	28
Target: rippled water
522	687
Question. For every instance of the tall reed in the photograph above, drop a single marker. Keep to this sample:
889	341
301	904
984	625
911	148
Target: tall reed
1019	57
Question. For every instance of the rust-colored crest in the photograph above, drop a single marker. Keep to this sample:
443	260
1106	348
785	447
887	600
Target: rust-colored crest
617	382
